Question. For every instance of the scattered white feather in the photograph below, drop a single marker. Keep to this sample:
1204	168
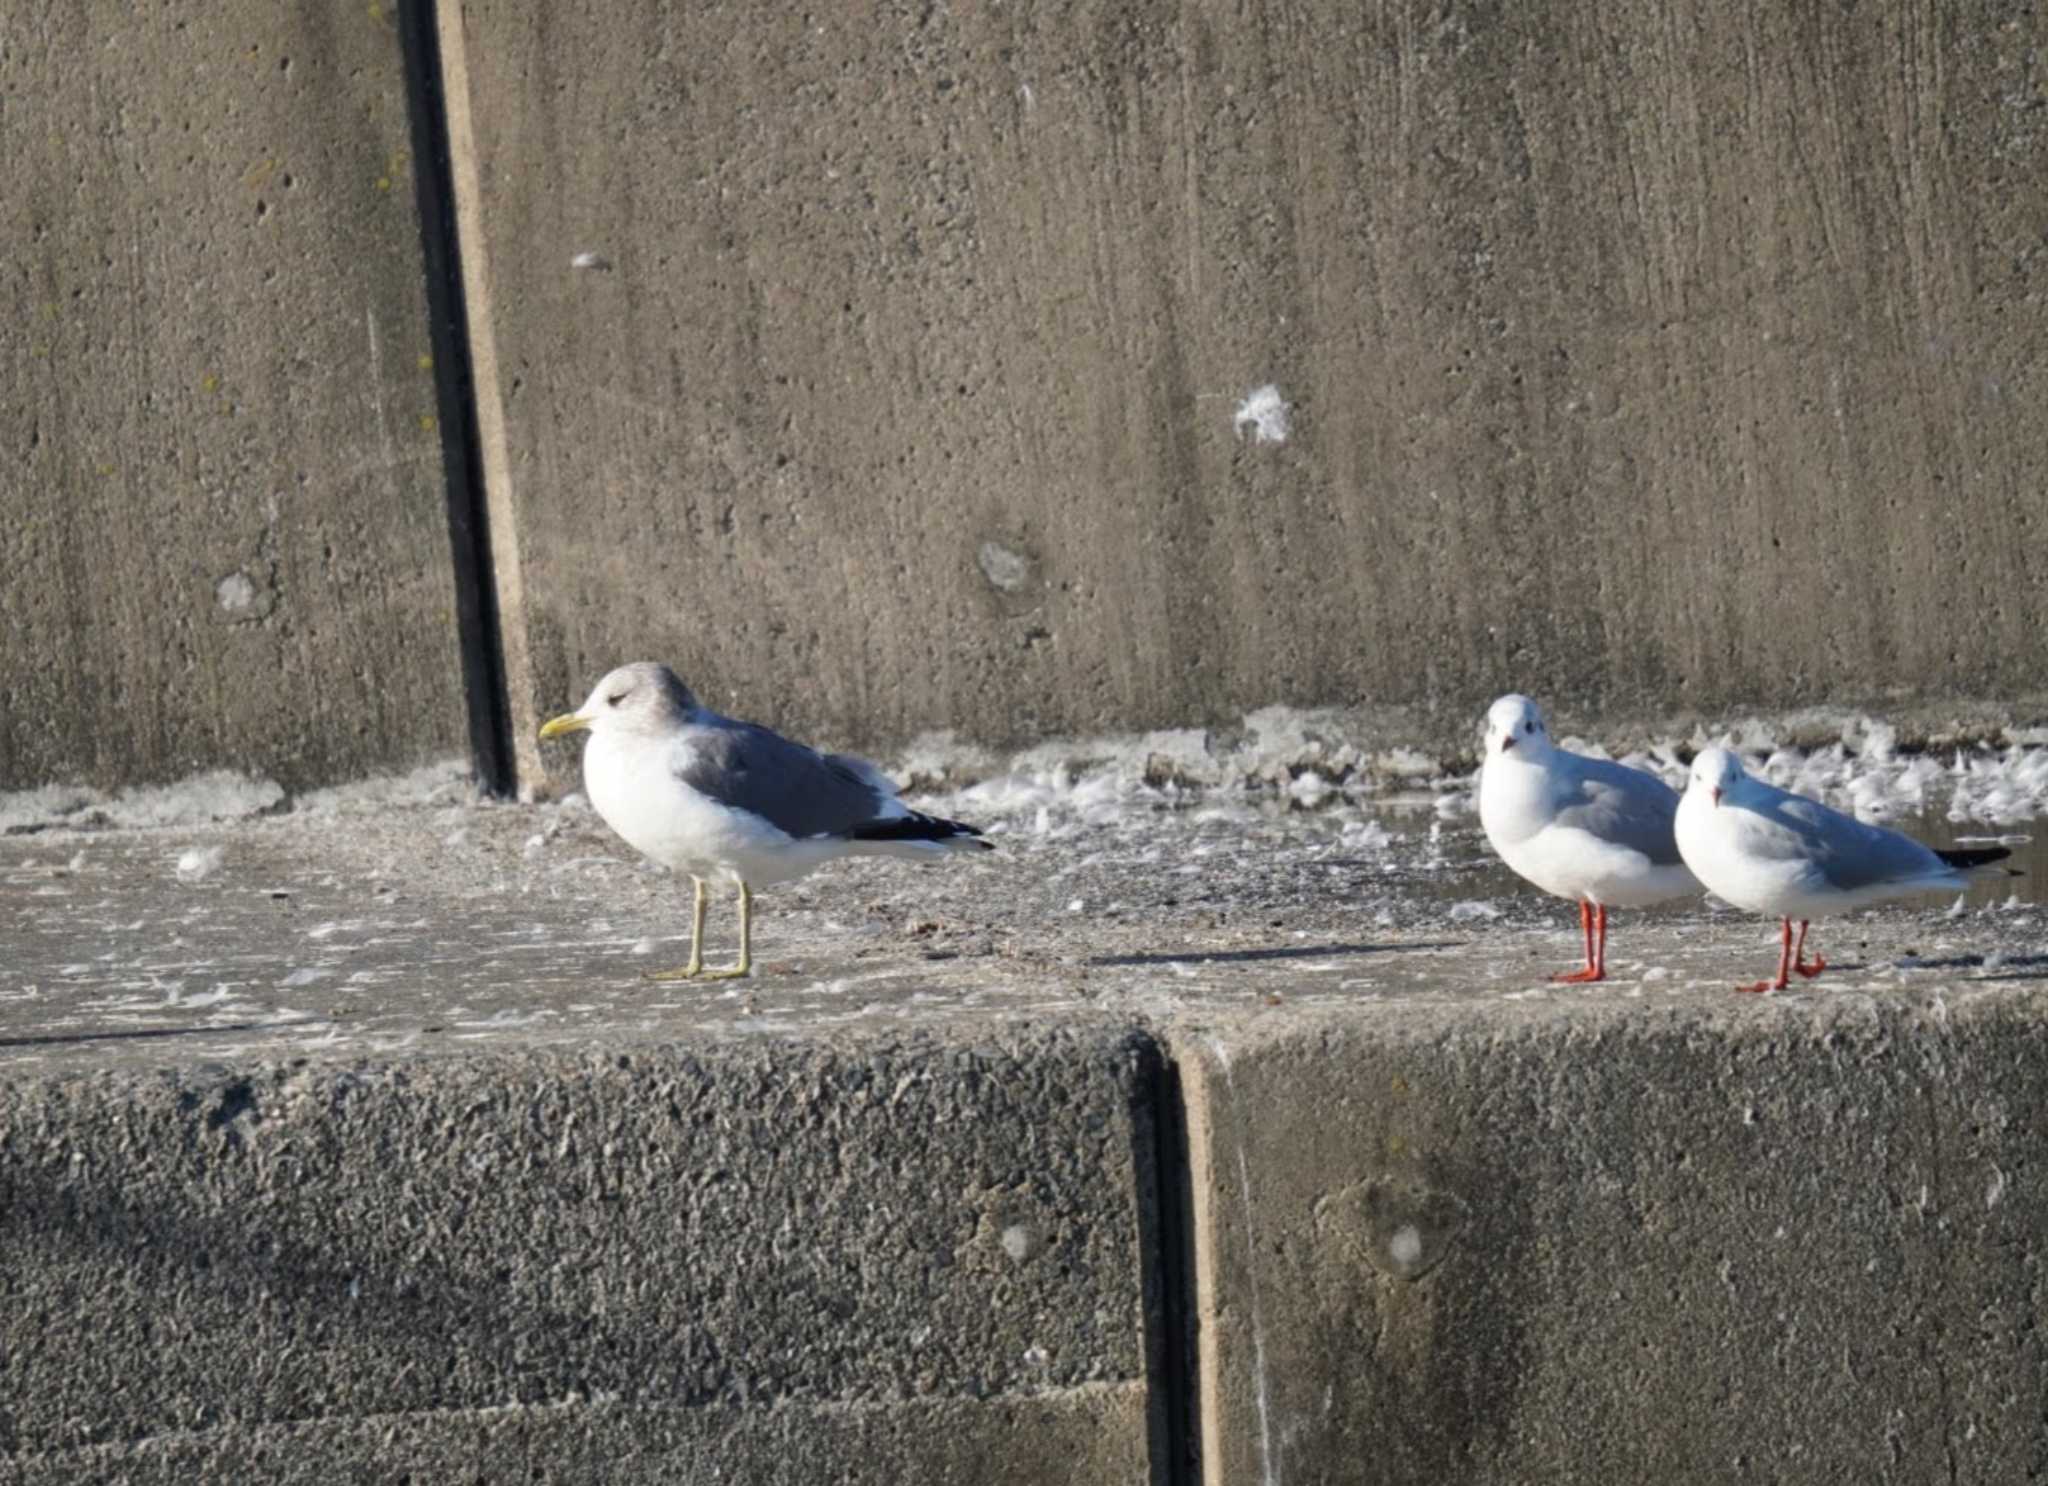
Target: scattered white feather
45	805
444	782
1310	788
1366	835
219	795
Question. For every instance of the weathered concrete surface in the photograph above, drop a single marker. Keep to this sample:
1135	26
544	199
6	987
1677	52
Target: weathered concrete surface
1082	1435
1799	1240
1628	352
225	541
712	1256
587	1219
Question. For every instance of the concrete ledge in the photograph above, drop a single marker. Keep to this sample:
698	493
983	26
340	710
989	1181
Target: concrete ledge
367	1149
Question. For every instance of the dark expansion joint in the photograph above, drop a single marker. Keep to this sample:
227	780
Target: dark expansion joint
1167	1259
478	631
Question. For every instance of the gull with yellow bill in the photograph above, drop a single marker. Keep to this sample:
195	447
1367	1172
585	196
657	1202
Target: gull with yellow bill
718	798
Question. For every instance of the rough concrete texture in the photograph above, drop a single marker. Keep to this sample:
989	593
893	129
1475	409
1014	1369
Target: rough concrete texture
1081	1435
225	540
1787	1240
1627	353
362	1144
794	1240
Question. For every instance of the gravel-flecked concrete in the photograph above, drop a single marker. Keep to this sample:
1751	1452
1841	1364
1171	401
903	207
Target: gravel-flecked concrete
363	1145
1083	1436
764	1224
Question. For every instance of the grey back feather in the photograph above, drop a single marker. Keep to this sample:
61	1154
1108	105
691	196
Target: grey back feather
1624	806
1849	854
796	789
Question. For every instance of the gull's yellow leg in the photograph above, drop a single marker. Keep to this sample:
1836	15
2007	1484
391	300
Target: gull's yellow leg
746	965
696	966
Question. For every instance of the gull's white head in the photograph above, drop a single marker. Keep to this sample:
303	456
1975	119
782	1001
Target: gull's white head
1514	724
1718	772
643	697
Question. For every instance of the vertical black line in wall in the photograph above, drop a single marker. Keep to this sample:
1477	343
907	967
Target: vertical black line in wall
1166	1237
469	531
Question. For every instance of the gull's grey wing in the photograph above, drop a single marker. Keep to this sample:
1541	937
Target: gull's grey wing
1850	855
1625	806
796	789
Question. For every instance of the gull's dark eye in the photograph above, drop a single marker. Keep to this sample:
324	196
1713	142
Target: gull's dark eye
1528	727
615	698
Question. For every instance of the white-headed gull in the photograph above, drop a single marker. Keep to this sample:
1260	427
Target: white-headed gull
1776	853
719	798
1579	827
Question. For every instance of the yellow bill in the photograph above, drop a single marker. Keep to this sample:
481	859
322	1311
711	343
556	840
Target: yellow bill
561	727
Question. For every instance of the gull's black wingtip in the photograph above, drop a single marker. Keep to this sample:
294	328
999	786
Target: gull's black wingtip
915	827
1964	859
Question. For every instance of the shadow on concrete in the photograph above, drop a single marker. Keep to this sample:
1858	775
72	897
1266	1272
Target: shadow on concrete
1288	952
139	1034
2011	967
2017	967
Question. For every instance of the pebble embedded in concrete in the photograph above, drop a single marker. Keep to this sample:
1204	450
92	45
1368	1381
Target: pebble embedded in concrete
235	593
1004	567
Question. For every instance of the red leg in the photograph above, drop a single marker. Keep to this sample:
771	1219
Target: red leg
1596	968
1600	942
1807	968
1784	965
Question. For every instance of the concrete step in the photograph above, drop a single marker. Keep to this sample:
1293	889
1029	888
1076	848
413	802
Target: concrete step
361	1147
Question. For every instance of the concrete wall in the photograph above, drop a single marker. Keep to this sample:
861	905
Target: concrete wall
1650	359
224	539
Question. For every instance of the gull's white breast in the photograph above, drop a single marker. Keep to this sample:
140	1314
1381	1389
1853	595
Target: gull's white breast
1518	809
1749	863
633	785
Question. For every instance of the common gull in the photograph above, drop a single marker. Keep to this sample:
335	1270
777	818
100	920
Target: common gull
718	798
